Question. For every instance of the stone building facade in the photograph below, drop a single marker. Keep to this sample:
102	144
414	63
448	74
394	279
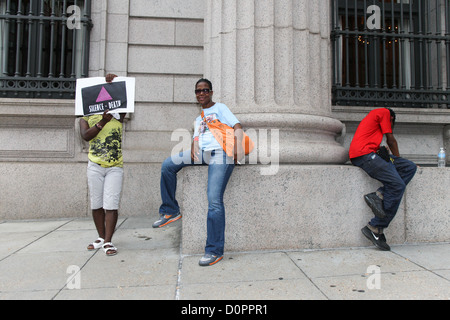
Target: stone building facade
271	62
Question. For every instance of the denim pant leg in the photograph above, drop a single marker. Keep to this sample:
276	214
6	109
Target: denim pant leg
393	184
405	168
219	172
169	169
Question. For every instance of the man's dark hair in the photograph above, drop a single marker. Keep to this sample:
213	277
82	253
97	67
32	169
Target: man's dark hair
392	116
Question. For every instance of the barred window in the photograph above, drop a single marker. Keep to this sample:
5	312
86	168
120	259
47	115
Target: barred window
44	47
391	53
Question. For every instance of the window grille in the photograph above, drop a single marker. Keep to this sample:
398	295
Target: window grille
44	47
403	61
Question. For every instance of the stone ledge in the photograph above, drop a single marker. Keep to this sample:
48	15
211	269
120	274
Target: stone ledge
37	107
404	115
310	207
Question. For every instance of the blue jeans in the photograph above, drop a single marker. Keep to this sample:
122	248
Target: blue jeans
220	168
394	176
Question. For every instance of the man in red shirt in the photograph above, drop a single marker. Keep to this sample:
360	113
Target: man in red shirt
390	169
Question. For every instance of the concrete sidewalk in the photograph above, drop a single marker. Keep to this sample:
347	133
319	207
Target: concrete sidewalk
48	260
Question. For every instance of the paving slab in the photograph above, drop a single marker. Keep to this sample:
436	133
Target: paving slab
430	257
241	276
48	260
408	285
27	272
131	268
158	292
349	261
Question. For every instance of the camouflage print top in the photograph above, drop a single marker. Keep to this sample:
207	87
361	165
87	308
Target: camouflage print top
106	148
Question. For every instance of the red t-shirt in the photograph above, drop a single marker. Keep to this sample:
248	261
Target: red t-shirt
370	133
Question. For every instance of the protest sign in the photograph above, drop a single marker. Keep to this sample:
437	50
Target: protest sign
94	96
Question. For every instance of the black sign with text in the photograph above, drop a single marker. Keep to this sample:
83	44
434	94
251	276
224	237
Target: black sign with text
111	96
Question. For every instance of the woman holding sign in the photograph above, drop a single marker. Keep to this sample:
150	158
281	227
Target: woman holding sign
206	149
104	172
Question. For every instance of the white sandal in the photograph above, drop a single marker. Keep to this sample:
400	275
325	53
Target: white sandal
111	248
97	244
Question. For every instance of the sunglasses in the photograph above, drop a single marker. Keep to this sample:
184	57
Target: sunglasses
205	91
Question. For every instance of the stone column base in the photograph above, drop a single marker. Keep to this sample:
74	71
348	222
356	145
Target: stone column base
296	138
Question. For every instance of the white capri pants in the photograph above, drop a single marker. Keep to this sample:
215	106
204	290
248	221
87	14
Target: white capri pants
105	186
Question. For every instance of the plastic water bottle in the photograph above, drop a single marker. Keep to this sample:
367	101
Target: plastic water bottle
441	158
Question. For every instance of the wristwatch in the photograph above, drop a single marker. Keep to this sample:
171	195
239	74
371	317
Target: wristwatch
99	127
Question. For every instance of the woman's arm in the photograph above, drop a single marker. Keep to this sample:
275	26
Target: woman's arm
90	133
238	145
195	150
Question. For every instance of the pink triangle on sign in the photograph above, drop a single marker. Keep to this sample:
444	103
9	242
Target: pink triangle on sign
104	95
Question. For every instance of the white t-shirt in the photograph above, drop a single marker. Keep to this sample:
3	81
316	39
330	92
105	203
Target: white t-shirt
218	111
